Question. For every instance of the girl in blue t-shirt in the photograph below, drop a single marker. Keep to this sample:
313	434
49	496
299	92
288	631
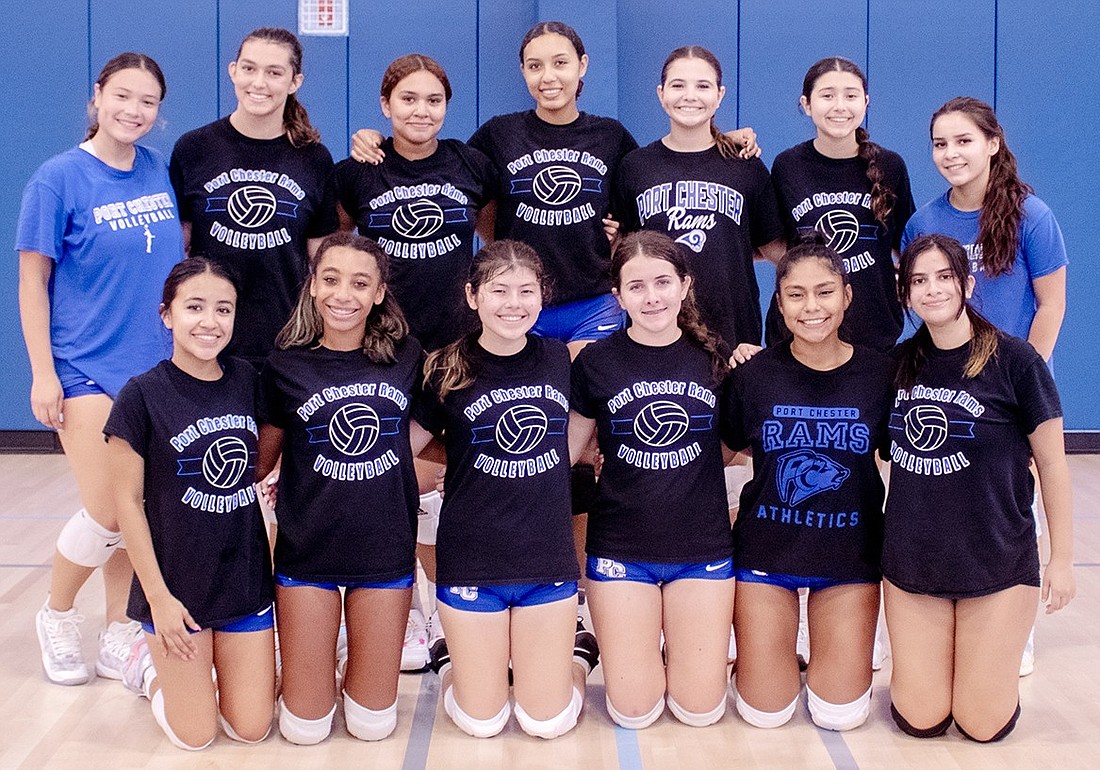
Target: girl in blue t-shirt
1017	254
181	441
98	232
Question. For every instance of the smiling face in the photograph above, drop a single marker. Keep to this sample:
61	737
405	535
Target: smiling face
263	77
690	93
837	105
936	292
200	316
126	105
961	152
507	304
812	300
651	292
416	107
345	288
553	72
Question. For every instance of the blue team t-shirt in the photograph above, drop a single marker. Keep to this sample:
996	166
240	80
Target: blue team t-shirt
113	236
1008	301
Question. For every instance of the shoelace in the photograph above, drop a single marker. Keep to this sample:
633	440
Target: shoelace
119	645
64	636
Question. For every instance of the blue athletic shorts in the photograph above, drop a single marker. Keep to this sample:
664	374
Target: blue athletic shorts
792	582
74	382
499	598
585	319
611	571
261	621
399	583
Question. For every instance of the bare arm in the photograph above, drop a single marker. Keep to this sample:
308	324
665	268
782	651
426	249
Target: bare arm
1050	300
487	221
347	224
47	398
170	618
1048	448
186	228
270	450
580	434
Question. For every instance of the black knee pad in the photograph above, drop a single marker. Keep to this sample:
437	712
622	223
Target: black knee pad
583	486
1004	731
928	732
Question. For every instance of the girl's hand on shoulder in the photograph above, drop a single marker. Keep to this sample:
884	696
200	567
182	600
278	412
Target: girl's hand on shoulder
1059	585
172	622
47	399
366	146
745	139
742	353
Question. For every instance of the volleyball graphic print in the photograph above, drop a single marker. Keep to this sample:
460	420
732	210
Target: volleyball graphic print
926	427
417	219
840	227
251	206
661	423
556	185
354	429
225	462
521	429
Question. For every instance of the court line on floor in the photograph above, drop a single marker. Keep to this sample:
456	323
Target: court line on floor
423	723
838	750
25	566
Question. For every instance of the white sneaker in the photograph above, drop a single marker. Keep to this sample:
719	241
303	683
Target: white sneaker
59	638
732	655
414	652
342	651
115	643
135	668
1027	663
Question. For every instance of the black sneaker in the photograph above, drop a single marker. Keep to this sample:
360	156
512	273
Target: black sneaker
585	650
438	656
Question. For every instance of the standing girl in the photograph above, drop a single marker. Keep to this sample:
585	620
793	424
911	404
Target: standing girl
335	402
854	192
1016	251
506	568
813	410
181	447
692	185
98	232
652	392
255	187
972	407
421	205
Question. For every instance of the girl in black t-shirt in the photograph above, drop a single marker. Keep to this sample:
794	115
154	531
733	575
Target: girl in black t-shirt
813	410
857	194
693	186
972	406
660	556
853	191
507	574
255	187
181	441
336	402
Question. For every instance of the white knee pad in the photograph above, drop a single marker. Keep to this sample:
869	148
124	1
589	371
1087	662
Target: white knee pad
555	725
635	723
228	729
86	542
765	719
696	719
478	728
367	725
838	716
427	521
157	702
304	732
